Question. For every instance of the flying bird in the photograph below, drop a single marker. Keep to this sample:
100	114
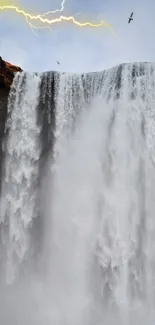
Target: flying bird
58	62
130	18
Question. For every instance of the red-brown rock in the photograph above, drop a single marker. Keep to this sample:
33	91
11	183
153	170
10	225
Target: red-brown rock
7	71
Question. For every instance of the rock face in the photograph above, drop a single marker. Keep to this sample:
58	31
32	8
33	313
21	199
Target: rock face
7	71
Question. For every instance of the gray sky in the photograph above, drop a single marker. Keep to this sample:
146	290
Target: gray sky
79	49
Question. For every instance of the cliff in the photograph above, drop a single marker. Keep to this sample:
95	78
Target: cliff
7	71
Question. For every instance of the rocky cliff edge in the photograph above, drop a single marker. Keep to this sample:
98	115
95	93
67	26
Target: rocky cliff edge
7	71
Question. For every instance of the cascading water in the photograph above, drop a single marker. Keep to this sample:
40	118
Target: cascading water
97	265
21	165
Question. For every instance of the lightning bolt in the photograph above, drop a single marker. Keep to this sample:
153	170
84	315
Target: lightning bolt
43	15
47	23
55	11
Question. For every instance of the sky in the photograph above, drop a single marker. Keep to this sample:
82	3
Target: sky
79	49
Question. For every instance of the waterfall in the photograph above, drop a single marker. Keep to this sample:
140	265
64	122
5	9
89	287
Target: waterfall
21	165
92	139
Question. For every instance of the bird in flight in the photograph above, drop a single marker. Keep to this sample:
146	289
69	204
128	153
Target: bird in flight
58	62
130	18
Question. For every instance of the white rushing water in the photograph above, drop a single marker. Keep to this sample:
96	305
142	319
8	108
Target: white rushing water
22	151
101	221
99	240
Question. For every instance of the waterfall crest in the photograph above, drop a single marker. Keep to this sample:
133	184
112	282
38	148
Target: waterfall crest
92	139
